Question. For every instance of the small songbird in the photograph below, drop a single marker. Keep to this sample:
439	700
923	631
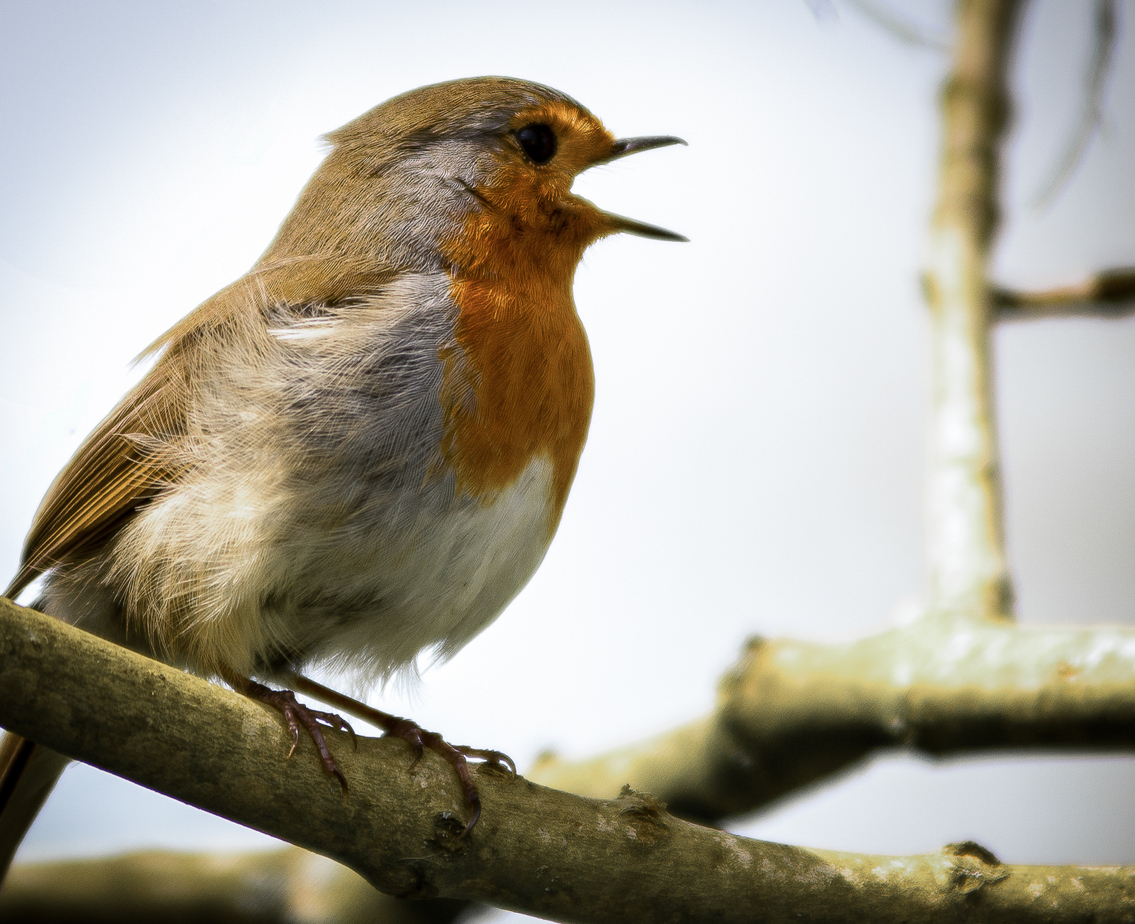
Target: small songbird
361	449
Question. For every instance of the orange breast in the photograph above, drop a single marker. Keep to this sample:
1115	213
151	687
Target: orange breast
519	382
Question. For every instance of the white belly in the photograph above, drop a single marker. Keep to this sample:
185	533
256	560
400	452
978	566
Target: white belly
448	579
288	578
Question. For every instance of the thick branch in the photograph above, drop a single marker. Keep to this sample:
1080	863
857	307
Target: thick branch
964	882
1109	294
535	849
968	571
794	712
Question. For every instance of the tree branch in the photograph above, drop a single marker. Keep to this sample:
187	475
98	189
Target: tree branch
535	849
968	570
962	883
794	712
1108	294
288	886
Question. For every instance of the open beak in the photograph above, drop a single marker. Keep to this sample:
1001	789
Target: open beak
622	148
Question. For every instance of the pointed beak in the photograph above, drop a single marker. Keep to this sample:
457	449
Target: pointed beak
622	148
625	146
642	229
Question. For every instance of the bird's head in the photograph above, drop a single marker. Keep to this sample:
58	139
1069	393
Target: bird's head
440	174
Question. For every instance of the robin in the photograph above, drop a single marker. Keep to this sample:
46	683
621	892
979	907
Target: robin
362	448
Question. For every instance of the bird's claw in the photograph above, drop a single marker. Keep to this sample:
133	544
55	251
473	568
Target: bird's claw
312	721
456	755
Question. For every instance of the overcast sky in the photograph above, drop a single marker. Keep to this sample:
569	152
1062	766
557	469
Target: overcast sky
756	453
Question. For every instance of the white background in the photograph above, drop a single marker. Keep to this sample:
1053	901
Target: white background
756	454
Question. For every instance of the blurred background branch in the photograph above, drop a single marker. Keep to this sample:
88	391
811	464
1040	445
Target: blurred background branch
1107	294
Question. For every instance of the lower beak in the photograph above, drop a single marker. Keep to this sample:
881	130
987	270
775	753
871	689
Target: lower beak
641	228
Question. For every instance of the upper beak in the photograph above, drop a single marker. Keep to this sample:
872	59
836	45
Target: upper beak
622	148
625	146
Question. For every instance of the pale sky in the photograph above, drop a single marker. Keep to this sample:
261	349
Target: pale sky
755	458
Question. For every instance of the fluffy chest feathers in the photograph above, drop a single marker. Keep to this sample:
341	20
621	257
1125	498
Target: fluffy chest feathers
360	484
519	383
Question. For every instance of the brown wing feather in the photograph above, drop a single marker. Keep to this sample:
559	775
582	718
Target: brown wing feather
117	470
107	479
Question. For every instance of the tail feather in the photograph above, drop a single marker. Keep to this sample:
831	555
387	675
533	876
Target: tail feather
28	773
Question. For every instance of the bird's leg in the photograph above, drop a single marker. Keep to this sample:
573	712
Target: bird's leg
298	716
418	738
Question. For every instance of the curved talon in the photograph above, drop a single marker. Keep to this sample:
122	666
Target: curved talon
456	755
412	734
475	805
497	758
297	715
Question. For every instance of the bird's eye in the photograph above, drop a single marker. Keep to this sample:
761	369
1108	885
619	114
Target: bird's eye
538	141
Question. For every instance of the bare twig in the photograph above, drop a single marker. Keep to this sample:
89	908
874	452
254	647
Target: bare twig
1109	294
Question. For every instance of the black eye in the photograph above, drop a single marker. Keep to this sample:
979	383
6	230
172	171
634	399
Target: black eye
538	141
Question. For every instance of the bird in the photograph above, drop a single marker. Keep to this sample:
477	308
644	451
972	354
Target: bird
361	449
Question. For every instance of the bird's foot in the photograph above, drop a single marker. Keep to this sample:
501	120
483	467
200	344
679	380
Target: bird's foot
298	716
457	755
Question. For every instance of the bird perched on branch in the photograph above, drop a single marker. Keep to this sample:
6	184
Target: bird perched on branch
361	449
